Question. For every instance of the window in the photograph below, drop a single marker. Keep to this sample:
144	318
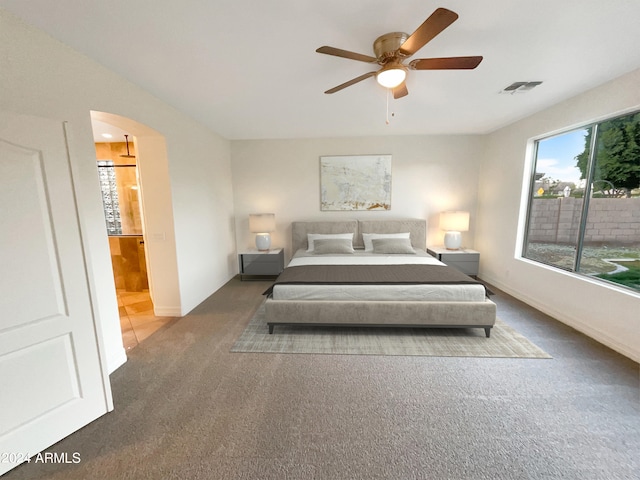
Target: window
119	187
584	204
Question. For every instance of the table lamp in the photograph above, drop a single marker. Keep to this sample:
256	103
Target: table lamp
453	223
262	224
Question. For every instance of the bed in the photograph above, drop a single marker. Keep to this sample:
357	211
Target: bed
385	280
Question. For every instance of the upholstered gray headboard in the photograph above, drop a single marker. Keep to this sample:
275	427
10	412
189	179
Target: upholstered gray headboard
417	227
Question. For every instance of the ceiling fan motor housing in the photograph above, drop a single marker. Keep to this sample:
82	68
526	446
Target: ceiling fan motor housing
386	46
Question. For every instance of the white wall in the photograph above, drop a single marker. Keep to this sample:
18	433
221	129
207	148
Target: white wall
158	224
41	77
429	174
608	314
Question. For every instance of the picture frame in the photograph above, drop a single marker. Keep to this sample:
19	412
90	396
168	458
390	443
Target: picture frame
355	183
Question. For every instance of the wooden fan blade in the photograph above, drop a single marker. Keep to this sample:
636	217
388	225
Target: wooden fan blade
447	63
400	91
337	52
432	26
351	82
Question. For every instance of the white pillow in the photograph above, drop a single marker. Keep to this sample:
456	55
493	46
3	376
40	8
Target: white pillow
368	237
311	237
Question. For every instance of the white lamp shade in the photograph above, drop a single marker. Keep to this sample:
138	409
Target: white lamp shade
262	222
454	221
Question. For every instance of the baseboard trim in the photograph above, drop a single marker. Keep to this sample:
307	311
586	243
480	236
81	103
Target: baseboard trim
562	317
116	359
160	311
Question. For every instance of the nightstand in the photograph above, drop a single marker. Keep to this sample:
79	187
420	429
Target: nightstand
256	262
465	260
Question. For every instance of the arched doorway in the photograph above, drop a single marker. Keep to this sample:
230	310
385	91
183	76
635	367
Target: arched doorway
134	179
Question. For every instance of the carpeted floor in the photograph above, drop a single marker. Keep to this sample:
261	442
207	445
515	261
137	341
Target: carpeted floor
505	342
186	407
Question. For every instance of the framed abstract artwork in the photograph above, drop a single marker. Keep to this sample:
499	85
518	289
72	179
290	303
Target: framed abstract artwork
355	182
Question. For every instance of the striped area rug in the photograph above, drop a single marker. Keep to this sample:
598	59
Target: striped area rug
505	342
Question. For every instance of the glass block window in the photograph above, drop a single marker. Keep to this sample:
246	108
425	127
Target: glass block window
109	189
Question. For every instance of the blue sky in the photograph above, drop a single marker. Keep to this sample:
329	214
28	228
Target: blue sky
556	156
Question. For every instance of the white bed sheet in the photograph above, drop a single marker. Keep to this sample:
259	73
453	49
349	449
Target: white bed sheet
427	292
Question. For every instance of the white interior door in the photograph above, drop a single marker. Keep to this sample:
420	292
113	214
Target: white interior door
51	377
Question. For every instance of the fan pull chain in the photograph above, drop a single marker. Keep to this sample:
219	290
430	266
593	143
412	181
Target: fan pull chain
392	113
387	119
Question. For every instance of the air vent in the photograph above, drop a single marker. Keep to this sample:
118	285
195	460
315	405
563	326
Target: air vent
520	87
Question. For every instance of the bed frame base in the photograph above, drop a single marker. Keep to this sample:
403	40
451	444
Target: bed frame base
487	329
405	314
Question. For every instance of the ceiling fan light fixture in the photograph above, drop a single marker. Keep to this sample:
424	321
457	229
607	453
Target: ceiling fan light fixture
392	75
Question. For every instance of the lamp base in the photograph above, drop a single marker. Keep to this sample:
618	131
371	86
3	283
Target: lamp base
263	241
452	240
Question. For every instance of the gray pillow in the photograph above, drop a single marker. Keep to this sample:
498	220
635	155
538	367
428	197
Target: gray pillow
332	245
312	237
392	246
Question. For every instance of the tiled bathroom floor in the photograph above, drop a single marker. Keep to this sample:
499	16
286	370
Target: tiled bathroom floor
137	319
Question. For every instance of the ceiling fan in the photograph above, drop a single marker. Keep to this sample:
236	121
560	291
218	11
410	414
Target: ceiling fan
391	49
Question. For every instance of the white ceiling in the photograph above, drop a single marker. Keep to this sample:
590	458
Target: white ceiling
248	68
101	128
